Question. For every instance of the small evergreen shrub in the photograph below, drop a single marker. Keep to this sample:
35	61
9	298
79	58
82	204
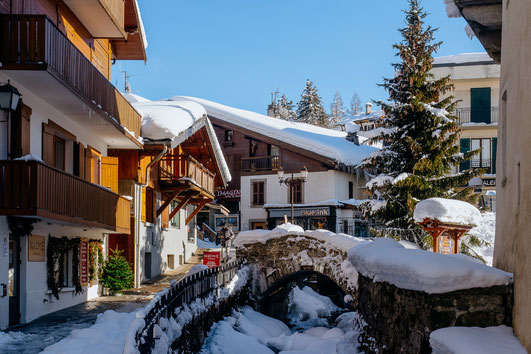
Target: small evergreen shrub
117	275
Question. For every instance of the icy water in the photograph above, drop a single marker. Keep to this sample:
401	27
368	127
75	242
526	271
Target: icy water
313	324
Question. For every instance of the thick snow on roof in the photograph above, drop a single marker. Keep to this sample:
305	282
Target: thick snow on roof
325	142
475	340
463	59
141	25
447	211
177	121
385	260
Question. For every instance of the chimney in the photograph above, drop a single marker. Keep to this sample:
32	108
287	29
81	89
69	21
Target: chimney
368	108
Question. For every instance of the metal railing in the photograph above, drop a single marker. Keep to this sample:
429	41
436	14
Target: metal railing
464	115
184	292
263	163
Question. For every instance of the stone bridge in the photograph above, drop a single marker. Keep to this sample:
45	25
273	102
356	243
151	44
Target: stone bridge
399	317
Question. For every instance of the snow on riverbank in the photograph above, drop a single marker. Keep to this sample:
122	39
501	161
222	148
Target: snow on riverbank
475	340
340	241
387	260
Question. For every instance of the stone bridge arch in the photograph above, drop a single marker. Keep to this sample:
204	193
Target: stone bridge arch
278	258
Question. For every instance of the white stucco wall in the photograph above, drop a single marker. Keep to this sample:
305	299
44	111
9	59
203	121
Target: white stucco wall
4	266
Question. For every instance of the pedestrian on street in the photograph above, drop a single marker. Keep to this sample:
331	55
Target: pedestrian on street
225	235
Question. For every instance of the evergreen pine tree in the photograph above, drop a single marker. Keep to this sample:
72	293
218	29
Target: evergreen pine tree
337	109
422	133
310	108
117	274
355	105
285	109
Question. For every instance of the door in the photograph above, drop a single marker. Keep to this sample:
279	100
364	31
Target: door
261	225
147	265
14	280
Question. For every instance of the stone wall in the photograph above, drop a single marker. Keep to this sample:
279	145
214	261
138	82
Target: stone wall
401	320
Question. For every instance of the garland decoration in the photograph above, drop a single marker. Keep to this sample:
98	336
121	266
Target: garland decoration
57	248
96	259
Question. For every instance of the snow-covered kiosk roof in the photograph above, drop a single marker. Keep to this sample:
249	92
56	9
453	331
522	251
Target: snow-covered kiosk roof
328	143
447	211
175	122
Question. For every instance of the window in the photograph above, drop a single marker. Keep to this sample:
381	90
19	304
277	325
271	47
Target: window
258	193
350	190
229	134
192	224
297	194
176	220
149	205
65	270
59	153
253	145
483	158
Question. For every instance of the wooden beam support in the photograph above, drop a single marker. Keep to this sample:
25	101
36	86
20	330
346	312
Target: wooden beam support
182	203
197	210
167	202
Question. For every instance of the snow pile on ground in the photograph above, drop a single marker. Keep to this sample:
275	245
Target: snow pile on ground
447	211
206	244
340	241
485	231
385	260
196	269
325	142
11	337
107	335
307	305
248	331
475	340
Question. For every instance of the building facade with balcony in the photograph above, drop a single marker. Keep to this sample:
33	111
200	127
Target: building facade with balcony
59	195
476	79
256	146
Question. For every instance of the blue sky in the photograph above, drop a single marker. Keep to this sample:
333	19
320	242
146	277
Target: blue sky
237	52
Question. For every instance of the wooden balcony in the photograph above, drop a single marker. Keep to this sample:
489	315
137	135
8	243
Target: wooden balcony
175	170
35	189
33	43
102	18
263	163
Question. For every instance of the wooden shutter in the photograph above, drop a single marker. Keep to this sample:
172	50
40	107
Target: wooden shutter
81	161
92	165
165	218
144	204
465	147
47	144
494	152
109	173
480	105
20	131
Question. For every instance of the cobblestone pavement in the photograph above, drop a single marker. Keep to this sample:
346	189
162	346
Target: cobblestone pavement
49	329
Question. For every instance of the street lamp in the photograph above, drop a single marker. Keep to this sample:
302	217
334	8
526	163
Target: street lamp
291	182
9	97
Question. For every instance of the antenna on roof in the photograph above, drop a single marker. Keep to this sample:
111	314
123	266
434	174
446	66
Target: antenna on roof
127	84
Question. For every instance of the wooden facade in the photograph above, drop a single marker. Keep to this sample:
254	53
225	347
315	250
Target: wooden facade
35	189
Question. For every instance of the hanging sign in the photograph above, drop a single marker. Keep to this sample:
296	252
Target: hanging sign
83	262
36	248
211	259
446	244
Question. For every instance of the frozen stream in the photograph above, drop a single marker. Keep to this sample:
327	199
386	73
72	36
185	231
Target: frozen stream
316	325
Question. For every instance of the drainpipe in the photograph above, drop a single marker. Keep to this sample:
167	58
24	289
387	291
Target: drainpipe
138	212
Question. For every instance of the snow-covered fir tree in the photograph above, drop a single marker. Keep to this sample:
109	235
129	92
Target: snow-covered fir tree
310	108
286	109
421	131
337	109
355	105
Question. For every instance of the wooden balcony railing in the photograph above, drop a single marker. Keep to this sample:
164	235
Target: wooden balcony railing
32	42
35	189
264	163
176	168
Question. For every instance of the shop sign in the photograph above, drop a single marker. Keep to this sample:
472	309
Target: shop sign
489	182
315	212
212	259
229	194
36	248
300	212
446	244
83	262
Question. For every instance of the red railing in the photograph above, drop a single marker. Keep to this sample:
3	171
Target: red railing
32	42
33	188
175	168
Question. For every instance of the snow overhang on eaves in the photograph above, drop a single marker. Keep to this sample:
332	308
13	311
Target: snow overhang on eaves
485	19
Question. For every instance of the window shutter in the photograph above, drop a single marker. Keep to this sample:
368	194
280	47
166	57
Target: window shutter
109	173
465	147
47	145
81	161
20	131
165	218
480	108
494	152
143	204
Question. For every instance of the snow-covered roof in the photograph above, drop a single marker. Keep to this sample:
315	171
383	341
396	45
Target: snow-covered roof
447	211
385	260
321	141
176	121
141	25
463	59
